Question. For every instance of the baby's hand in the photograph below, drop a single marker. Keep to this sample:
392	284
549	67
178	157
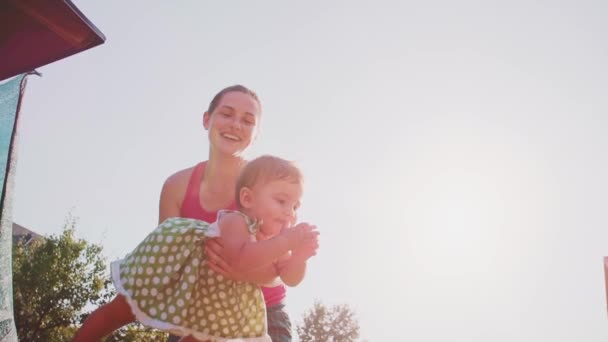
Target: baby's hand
307	249
299	233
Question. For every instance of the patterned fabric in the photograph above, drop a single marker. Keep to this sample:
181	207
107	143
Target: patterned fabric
279	325
10	93
169	286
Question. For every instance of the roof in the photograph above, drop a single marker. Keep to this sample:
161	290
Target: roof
20	232
38	32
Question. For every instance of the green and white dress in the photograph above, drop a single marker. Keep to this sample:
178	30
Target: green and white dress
169	286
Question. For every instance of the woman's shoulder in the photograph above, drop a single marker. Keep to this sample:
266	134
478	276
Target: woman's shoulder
181	177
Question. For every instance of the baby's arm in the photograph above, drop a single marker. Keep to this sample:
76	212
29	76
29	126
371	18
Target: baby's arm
292	267
245	254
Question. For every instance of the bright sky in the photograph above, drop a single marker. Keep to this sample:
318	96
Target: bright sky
455	154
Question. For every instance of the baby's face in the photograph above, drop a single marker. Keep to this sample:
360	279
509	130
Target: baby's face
276	204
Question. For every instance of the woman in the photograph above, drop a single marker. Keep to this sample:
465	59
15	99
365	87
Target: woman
198	192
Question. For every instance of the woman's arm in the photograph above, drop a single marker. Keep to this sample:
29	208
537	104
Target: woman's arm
260	276
172	194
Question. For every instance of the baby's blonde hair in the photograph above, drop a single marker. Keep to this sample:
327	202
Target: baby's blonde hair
266	169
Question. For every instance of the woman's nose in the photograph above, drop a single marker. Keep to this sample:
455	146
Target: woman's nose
236	123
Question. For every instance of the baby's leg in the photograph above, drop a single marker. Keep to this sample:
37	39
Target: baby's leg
105	320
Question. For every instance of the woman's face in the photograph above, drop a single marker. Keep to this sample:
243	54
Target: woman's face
233	124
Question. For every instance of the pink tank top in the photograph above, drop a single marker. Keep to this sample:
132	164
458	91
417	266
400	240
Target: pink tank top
191	208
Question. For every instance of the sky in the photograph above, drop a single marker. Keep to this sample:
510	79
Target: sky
455	153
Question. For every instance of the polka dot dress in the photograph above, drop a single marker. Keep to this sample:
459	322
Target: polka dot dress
169	286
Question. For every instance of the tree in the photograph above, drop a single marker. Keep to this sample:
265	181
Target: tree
323	324
54	278
57	282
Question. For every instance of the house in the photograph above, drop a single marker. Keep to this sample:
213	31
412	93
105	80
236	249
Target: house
20	233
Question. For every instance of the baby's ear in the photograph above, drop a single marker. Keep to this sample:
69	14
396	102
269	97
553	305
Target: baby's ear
246	197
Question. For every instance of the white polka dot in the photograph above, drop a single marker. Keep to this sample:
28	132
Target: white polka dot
211	317
217	306
223	321
149	271
206	300
210	281
161	306
214	326
171	309
180	302
153	292
155	280
203	322
138	282
144	291
188	295
246	328
163	316
148	248
170	258
176	267
226	331
176	319
159	238
188	238
185	313
173	248
186	252
195	262
140	270
222	295
168	239
159	270
153	311
165	280
161	259
192	279
168	269
155	249
178	239
168	291
164	249
184	286
151	259
200	313
188	269
144	259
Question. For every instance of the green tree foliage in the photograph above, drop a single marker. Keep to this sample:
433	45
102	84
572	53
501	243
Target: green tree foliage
325	324
57	282
54	278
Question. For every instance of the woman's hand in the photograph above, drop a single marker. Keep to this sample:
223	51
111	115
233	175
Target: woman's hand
214	249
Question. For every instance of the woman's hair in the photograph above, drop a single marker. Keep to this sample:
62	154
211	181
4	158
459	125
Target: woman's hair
240	88
266	169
